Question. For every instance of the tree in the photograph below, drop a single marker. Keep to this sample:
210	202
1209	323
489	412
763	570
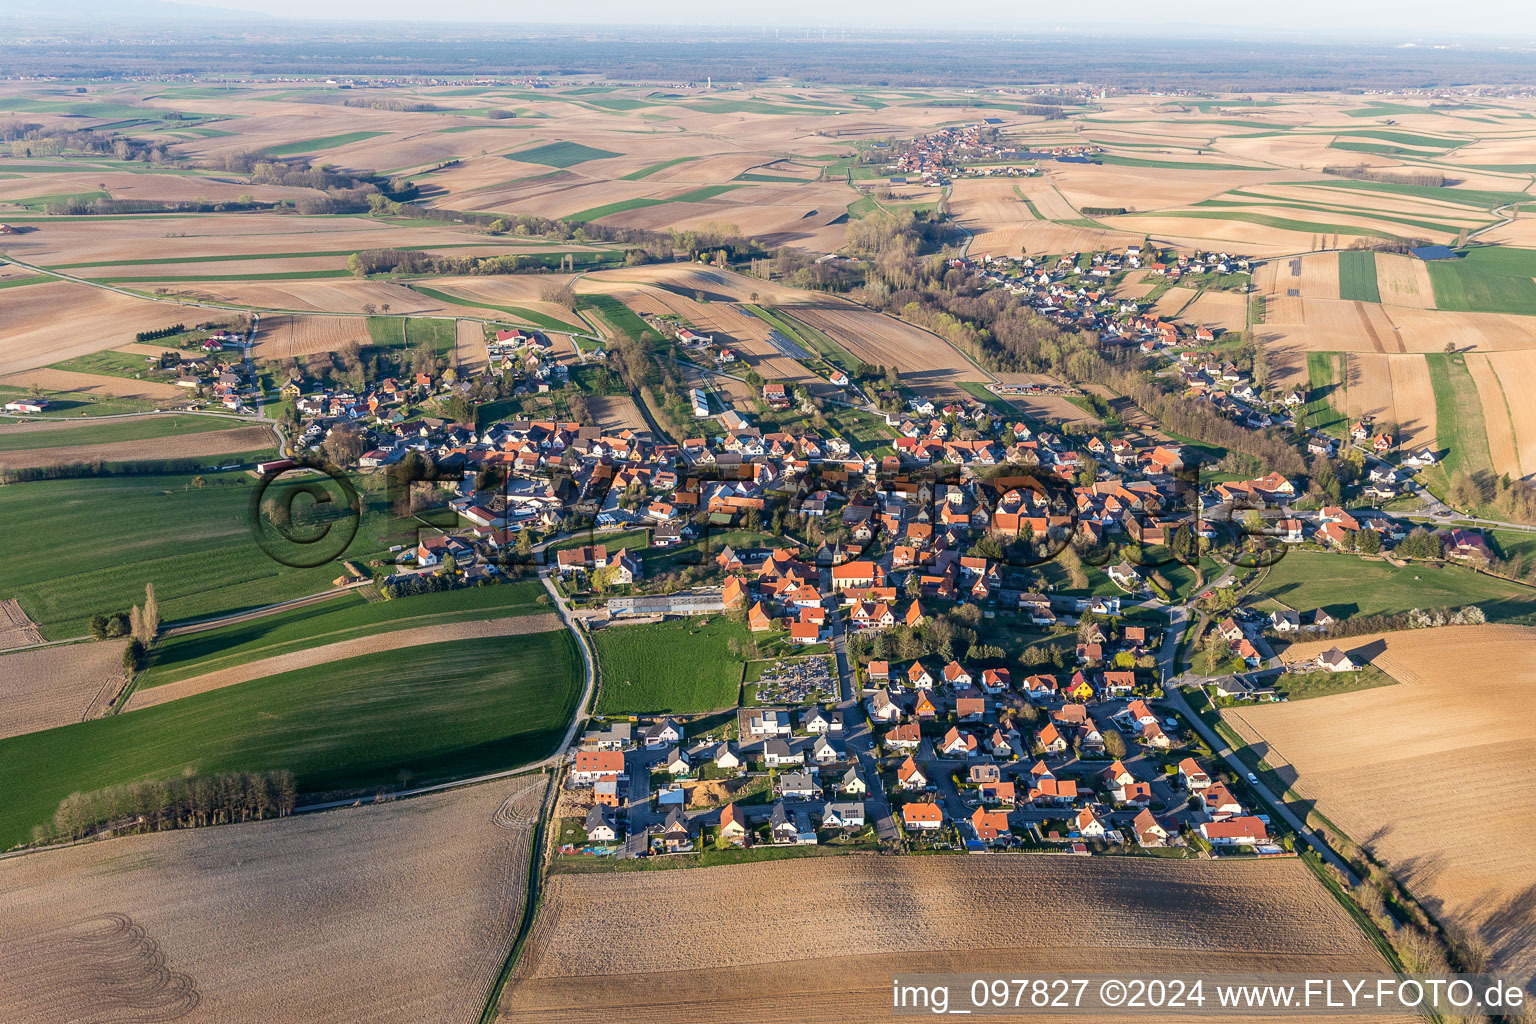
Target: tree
133	656
1114	746
99	626
1420	543
151	614
1368	542
450	565
136	624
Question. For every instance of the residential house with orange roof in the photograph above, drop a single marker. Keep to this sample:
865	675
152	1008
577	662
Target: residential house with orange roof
923	816
989	825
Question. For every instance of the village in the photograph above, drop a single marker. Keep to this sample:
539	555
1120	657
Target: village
833	546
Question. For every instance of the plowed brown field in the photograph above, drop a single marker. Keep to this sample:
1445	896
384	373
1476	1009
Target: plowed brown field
703	944
395	913
94	384
177	446
1502	447
53	686
1353	754
922	358
1515	371
1393	389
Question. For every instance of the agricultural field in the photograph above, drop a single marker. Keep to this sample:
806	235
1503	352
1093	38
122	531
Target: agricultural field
18	436
679	667
341	650
410	907
1487	280
172	445
1344	585
679	938
1399	389
190	536
51	686
1451	708
192	652
433	712
1513	370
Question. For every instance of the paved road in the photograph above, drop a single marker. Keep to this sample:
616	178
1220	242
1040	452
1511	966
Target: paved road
1173	696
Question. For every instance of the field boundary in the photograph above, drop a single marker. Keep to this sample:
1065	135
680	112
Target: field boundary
538	858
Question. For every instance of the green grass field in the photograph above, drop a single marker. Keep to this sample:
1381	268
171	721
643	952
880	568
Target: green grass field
1249	217
71	405
619	316
1345	585
1485	199
1357	276
1306	685
560	154
92	545
113	364
1325	375
1196	164
428	713
646	172
697	195
340	618
1459	423
117	430
1491	279
316	145
526	316
406	332
675	667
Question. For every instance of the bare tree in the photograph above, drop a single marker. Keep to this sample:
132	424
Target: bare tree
151	614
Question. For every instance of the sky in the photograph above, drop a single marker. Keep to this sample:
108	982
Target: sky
1419	20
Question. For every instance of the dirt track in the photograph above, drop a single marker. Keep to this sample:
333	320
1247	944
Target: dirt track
401	638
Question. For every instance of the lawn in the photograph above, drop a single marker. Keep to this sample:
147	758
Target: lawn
678	667
1487	279
1459	423
429	713
1306	685
90	545
117	430
340	618
1345	585
560	154
315	145
1357	276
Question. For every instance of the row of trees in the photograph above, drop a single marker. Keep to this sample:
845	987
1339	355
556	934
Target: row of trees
159	804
